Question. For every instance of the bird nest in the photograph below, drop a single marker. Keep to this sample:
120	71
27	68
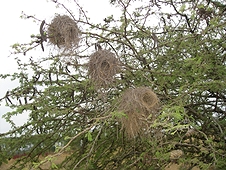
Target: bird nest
140	106
103	66
63	32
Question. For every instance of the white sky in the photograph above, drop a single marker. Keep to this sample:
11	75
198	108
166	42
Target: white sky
13	30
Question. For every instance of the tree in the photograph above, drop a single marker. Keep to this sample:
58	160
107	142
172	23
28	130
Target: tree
84	101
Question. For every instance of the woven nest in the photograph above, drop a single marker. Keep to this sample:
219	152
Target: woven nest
103	66
140	105
63	32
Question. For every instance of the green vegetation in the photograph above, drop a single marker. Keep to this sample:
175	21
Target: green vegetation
83	106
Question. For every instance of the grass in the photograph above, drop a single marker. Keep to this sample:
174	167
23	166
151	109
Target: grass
58	159
46	166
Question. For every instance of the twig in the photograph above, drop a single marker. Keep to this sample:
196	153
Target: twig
89	151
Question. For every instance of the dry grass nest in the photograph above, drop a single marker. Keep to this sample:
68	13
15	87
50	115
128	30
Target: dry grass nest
140	106
64	32
103	66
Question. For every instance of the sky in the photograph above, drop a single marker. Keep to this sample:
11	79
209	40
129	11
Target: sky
13	30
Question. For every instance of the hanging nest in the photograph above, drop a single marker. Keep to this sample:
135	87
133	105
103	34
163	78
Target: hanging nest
103	66
64	32
140	106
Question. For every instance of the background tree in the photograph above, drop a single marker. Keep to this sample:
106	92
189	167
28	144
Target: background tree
174	48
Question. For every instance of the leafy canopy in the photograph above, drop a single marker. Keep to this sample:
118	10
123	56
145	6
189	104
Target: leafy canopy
175	47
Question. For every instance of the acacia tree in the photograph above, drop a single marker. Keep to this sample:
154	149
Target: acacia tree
78	100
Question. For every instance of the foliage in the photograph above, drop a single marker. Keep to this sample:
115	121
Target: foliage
176	48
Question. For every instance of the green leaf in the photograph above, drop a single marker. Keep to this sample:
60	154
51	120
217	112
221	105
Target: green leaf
89	136
183	8
118	114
